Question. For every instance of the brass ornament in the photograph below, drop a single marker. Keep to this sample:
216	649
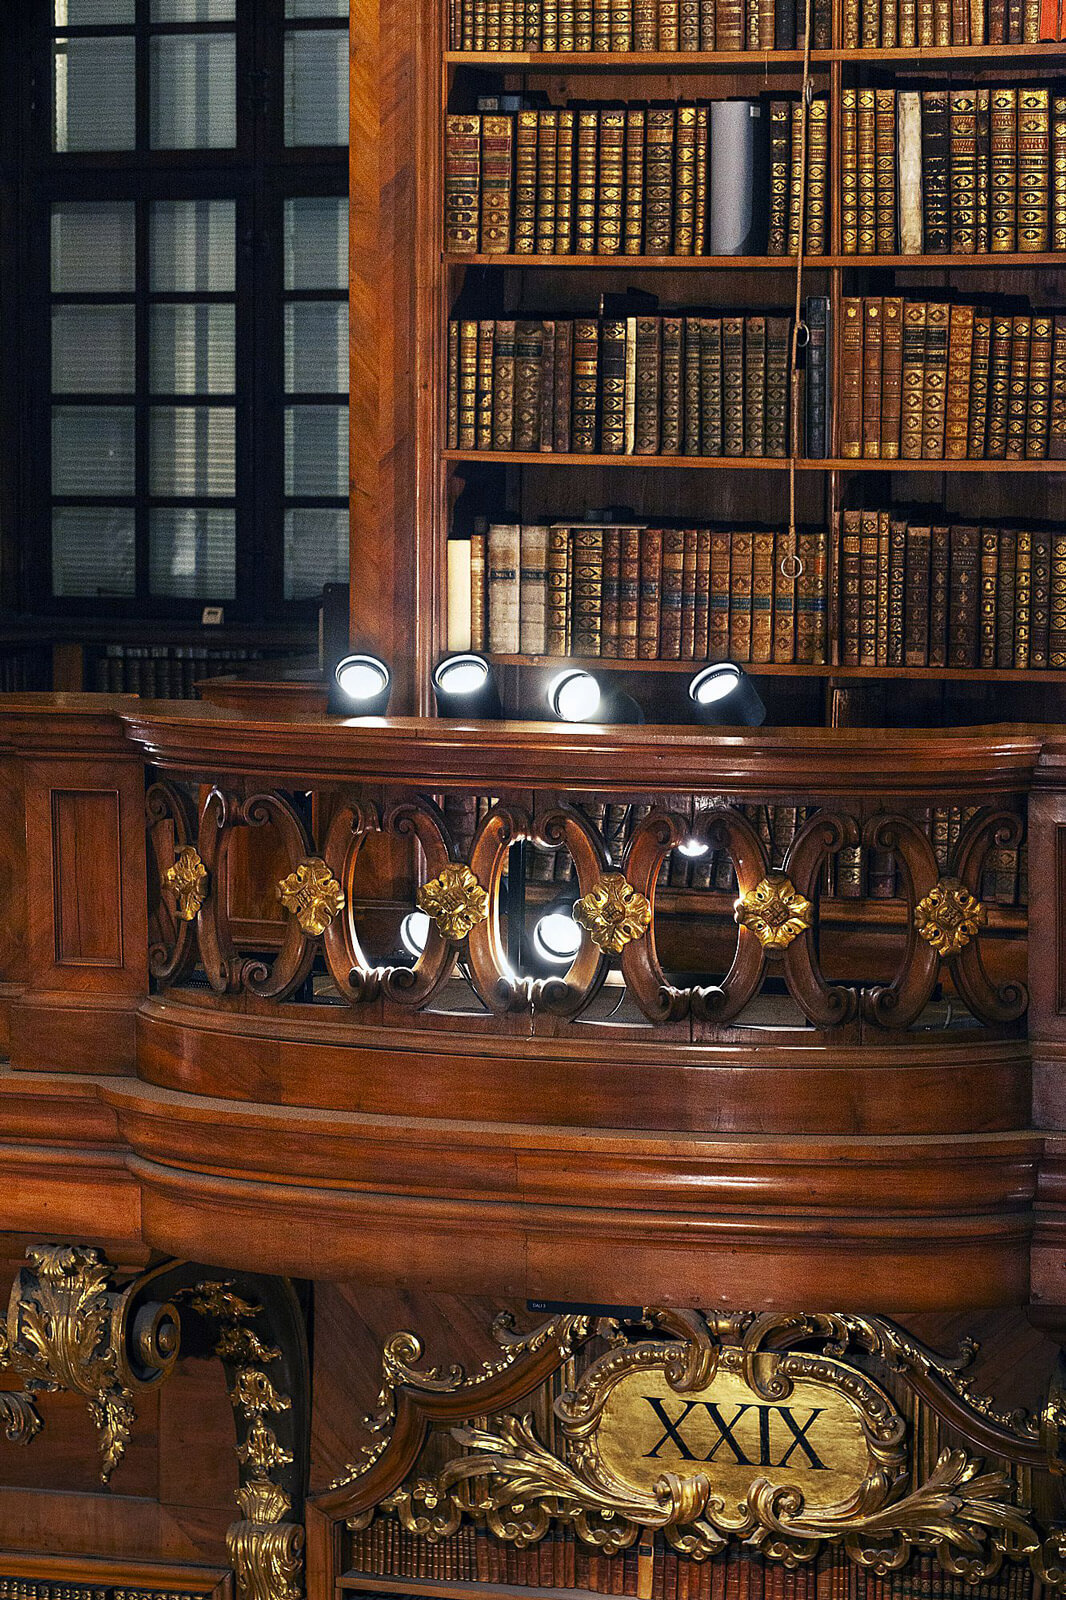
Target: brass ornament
455	901
613	913
265	1551
949	917
313	895
775	912
187	882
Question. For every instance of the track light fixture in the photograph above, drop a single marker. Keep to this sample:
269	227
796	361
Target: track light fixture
556	936
414	932
723	695
465	687
576	696
360	687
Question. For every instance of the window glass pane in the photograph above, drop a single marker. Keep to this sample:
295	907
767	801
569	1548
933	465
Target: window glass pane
93	247
192	350
191	553
316	450
192	450
92	349
316	8
192	246
92	551
92	450
86	13
316	551
193	92
316	88
316	243
316	348
193	10
95	94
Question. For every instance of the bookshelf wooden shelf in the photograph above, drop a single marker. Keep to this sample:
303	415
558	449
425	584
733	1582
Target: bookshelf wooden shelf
367	1583
812	264
689	61
547	458
769	669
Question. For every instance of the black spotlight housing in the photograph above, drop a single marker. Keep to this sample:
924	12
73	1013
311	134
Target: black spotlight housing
465	687
575	695
360	687
723	695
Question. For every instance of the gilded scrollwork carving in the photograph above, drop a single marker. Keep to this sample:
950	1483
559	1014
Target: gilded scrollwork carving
775	912
187	883
613	913
455	901
949	917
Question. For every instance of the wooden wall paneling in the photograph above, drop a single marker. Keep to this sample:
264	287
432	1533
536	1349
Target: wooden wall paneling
13	963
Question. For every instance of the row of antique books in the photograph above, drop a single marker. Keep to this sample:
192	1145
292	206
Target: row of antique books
959	170
942	24
929	380
916	595
637	385
647	180
636	593
162	672
856	873
632	25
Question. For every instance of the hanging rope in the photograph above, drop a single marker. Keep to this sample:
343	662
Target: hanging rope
791	565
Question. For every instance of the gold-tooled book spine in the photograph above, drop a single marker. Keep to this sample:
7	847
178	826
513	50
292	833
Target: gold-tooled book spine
942	24
778	354
685	182
1034	168
588	145
981	166
688	27
868	569
497	181
740	596
1057	624
1040	599
897	558
566	26
585	392
908	24
529	355
532	29
872	351
525	218
564	379
999	387
671	428
867	171
960	22
545	429
650	613
587	590
730	25
963	104
891	375
452	423
506	351
1003	169
549	26
889	24
934	397
659	180
583	26
703	133
849	173
852	25
669	25
733	385
1023	597
462	183
613	386
1057	440
601	26
990	579
710	399
851	431
925	24
486	341
818	178
982	346
622	25
493	25
629	593
766	24
755	386
612	177
910	438
1058	173
718	607
960	362
1038	415
708	24
1018	403
936	170
811	599
648	386
672	591
885	170
1030	21
762	597
507	25
634	200
795	182
467	385
646	25
481	24
564	184
780	171
547	145
691	381
466	40
478	587
558	589
850	588
871	24
786	592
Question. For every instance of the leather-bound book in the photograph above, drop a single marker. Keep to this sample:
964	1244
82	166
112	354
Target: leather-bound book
780	172
684	229
633	231
703	179
939	594
462	183
565	157
816	420
718	609
529	354
1003	169
785	590
612	577
740	596
1040	599
611	197
1050	11
525	218
889	24
871	24
767	23
452	416
564	378
1023	577
479	562
702	582
934	393
988	604
547	142
669	25
999	387
762	597
908	24
1018	401
851	409
583	26
916	597
651	561
818	177
867	187
885	171
872	344
784	25
649	386
659	181
997	21
688	25
960	22
960	363
503	385
979	368
734	221
926	24
1034	168
585	386
533	590
812	599
1005	596
732	387
914	332
936	171
978	22
549	25
852	25
613	386
1038	414
672	584
645	25
850	588
1057	238
502	588
692	387
465	41
1030	21
868	567
586	181
586	556
983	114
566	26
891	375
557	616
849	174
468	342
670	405
778	354
709	25
964	608
751	35
481	24
897	572
712	400
822	24
755	386
622	25
628	592
546	423
688	597
1057	618
963	115
795	180
1057	430
942	15
533	32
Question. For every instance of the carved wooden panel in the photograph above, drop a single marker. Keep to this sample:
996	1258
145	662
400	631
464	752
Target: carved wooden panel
87	877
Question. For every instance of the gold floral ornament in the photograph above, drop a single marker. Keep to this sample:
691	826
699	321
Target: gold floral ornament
313	895
775	912
949	917
186	880
614	913
455	900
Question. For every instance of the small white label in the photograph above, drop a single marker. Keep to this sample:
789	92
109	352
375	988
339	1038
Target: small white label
213	616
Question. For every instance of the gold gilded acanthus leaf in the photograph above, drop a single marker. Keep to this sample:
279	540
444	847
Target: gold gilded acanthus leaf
313	895
949	917
187	882
775	912
455	901
613	913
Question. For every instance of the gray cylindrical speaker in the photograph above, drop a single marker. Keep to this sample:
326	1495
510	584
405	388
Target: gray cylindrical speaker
736	127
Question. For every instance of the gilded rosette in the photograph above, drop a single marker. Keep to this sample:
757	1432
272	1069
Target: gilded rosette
187	881
949	917
455	901
313	895
613	913
775	912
